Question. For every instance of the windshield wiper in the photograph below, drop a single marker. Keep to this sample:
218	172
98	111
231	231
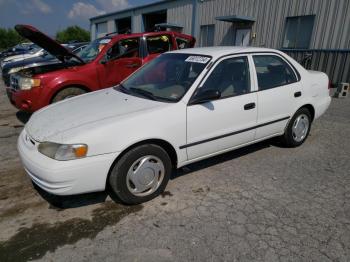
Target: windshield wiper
144	93
122	89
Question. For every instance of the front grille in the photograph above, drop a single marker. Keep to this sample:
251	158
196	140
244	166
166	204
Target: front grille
6	79
14	82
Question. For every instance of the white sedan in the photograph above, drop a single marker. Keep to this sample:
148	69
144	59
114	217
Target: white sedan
182	107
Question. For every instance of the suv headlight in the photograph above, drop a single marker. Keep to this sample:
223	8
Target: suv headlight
63	152
26	83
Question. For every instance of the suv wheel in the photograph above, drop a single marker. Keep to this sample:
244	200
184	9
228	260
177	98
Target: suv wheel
68	93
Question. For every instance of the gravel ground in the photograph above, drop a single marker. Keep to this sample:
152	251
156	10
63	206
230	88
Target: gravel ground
260	203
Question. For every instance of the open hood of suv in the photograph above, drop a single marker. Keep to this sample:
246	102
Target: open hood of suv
45	42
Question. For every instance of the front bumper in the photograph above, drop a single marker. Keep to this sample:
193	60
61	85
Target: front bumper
26	100
64	177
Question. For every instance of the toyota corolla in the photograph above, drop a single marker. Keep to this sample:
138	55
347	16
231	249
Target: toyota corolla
182	107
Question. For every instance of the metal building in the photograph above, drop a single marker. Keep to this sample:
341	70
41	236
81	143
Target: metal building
314	32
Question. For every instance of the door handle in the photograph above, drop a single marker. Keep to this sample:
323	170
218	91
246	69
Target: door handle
249	106
297	94
132	65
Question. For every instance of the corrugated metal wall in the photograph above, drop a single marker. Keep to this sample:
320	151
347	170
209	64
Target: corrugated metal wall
335	64
331	29
181	13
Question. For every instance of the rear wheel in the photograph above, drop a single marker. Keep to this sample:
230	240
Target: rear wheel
298	128
68	93
141	174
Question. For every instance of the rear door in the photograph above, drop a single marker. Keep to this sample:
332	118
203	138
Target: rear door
156	45
279	90
226	122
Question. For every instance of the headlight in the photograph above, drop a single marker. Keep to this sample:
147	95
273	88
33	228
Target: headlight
26	83
15	70
63	152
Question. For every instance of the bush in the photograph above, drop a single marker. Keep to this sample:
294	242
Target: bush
9	38
73	33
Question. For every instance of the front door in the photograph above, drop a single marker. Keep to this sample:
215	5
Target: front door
122	59
224	123
242	37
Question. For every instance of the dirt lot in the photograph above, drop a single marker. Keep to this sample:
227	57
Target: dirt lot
261	203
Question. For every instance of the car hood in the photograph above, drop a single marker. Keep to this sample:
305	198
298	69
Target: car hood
45	42
29	63
86	109
21	57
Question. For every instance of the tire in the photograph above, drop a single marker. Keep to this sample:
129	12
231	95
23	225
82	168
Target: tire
67	93
147	164
296	133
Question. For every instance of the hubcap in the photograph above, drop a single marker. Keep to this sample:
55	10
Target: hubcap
300	127
145	175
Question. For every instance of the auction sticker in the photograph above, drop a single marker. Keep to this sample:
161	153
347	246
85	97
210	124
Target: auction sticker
197	59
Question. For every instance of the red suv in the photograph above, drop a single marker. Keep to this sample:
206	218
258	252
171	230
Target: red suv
105	62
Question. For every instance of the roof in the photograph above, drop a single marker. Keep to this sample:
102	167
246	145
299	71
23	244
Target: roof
131	9
235	18
219	51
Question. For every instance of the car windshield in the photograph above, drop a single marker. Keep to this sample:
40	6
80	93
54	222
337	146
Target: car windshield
167	78
90	52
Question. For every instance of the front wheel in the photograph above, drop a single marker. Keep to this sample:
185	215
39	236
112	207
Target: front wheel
68	93
141	174
298	128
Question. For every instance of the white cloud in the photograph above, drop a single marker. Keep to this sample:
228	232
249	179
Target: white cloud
34	6
113	5
83	10
42	6
86	10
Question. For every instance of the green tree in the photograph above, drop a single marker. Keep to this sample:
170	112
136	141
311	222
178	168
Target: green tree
9	38
73	33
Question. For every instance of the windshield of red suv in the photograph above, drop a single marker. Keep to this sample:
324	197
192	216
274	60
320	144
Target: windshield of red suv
166	78
90	52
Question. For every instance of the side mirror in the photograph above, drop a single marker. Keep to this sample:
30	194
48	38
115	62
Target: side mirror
205	96
104	60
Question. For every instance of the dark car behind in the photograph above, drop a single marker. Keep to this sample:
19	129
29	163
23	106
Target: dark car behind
17	50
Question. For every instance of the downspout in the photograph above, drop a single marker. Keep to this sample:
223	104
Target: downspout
194	29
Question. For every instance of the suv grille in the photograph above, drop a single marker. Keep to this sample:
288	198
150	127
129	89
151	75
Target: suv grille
14	82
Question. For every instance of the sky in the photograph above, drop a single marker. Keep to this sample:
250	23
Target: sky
50	16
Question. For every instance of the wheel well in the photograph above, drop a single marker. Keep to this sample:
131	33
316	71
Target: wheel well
311	110
162	143
64	87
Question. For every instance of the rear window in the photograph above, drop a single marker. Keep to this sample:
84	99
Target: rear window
158	44
183	43
272	71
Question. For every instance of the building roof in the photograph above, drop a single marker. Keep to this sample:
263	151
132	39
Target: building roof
131	9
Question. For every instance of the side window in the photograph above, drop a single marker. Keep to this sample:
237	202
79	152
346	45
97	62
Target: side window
124	48
183	43
272	71
158	44
231	77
